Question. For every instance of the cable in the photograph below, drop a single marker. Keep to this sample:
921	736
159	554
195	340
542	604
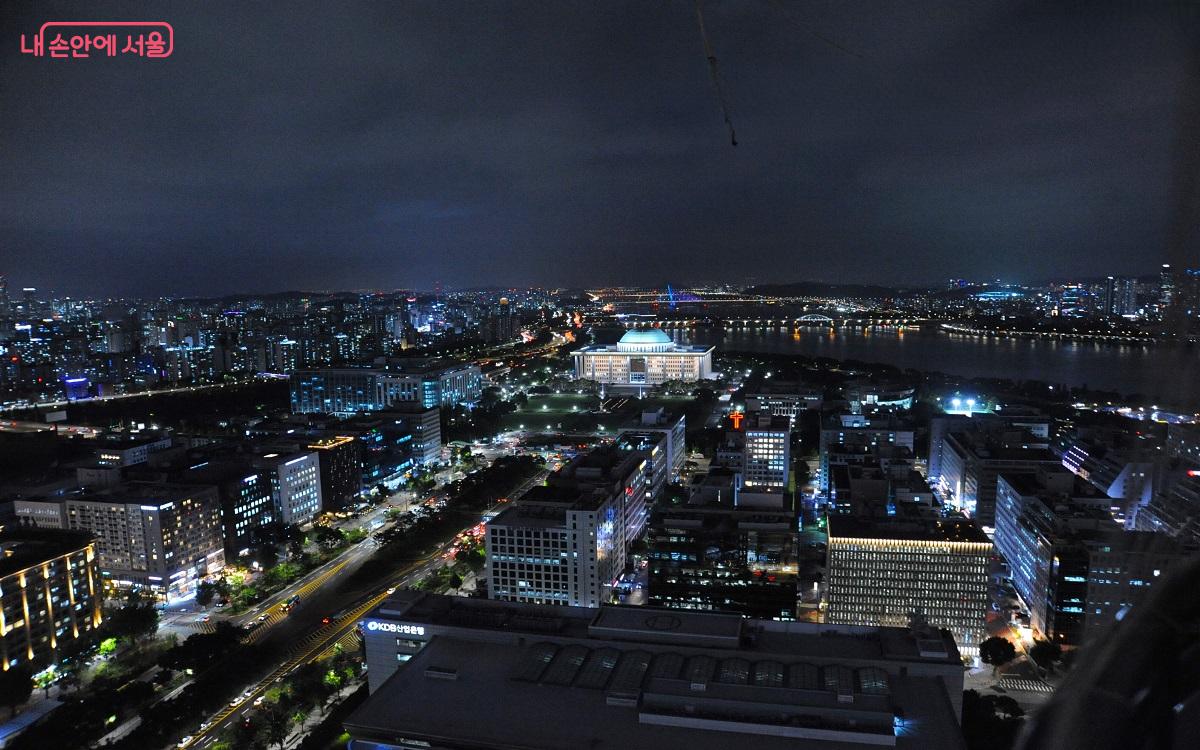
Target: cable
712	69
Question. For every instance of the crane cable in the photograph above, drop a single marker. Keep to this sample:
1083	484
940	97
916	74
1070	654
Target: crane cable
712	69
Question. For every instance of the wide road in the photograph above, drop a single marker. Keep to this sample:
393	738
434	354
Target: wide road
135	394
305	638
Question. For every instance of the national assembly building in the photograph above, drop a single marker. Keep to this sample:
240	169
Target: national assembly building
643	358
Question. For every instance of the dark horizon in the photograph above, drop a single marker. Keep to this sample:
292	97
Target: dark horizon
563	144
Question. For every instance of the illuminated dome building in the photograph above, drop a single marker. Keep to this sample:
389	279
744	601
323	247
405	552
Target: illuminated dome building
641	358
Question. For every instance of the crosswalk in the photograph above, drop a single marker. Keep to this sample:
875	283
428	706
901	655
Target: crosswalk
1025	684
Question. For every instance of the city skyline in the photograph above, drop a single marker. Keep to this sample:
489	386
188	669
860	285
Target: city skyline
971	141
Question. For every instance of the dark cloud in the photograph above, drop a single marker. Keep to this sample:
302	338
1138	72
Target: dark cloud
393	144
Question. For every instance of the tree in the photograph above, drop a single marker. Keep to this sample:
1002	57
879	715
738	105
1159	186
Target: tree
1045	653
997	651
278	723
16	685
205	593
134	621
990	722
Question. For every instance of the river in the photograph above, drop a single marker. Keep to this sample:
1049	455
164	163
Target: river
1166	373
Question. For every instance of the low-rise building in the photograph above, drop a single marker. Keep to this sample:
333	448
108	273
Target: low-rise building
645	678
643	358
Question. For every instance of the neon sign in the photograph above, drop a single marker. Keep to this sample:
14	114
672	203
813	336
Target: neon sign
395	627
736	417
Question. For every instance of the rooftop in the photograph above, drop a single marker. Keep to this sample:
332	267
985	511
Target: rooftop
624	696
646	336
23	547
915	529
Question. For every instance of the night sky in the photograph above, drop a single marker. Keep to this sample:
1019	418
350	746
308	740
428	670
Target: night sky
342	145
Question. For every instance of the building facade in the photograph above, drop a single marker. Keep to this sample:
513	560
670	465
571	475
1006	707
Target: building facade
349	390
767	461
1072	566
886	572
339	460
295	485
163	537
724	559
643	358
50	596
567	543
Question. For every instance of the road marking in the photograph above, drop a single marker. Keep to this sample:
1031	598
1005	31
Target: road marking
1024	684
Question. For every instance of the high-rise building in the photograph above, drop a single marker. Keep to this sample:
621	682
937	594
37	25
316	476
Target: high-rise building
892	570
247	498
50	596
655	447
425	426
164	537
767	461
1174	509
295	485
566	543
645	678
971	462
1071	565
1166	288
340	461
674	426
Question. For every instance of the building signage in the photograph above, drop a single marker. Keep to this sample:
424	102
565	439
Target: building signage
395	627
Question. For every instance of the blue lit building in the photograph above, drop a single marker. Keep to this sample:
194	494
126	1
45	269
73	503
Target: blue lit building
1072	564
350	390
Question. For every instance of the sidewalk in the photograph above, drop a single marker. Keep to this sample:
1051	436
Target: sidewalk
316	717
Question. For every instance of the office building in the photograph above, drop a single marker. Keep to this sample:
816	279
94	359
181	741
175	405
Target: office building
859	430
972	460
50	596
674	426
425	426
643	358
1072	565
1025	421
1174	510
122	451
724	559
566	543
1117	464
295	485
1183	441
163	537
887	571
776	398
768	461
642	678
656	448
246	494
349	390
877	487
339	460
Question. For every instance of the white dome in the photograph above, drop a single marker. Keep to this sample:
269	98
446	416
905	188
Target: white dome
647	336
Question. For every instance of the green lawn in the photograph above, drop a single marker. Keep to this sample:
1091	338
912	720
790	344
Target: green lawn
546	413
